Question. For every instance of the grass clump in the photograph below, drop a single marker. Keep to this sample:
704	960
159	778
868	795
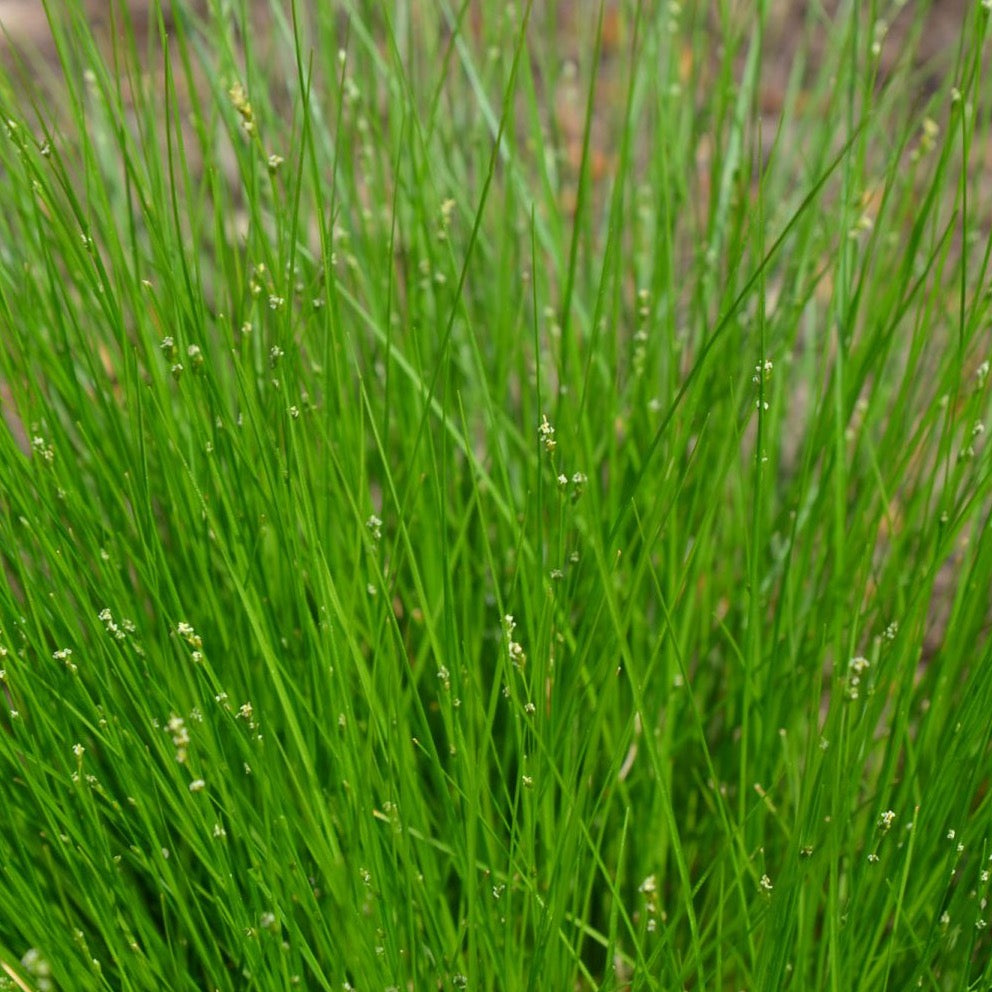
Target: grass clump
482	508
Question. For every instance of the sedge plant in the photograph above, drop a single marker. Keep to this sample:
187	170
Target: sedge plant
488	501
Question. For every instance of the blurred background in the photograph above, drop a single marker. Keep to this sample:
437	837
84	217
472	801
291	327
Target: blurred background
24	22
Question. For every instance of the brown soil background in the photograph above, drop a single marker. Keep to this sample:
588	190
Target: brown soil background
793	25
24	25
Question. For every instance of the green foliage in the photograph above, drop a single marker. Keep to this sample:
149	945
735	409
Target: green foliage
483	509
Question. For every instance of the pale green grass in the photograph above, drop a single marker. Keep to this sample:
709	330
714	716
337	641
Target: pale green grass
328	665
